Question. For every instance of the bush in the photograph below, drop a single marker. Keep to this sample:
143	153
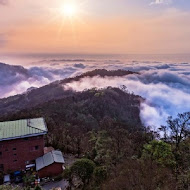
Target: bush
67	173
100	174
159	151
83	169
59	177
9	187
38	188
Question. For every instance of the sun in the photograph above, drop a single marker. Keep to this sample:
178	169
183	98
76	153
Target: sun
69	14
69	9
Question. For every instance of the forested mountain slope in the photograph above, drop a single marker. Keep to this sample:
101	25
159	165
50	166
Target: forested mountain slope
87	109
53	91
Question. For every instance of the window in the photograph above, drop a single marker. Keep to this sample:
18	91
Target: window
26	139
0	153
36	147
14	148
14	160
15	154
1	167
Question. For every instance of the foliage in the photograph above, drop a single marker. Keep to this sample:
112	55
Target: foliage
83	169
177	132
51	92
67	173
38	188
135	174
9	187
159	151
102	147
103	127
59	177
100	174
28	179
178	129
74	116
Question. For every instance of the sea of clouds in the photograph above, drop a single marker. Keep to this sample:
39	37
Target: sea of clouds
165	86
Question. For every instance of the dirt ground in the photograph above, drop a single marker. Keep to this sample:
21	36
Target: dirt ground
58	184
69	159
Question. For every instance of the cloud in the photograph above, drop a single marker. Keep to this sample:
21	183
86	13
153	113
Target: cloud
165	86
161	2
17	79
4	2
166	93
79	65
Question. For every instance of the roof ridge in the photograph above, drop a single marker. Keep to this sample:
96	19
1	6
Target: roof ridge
33	127
52	153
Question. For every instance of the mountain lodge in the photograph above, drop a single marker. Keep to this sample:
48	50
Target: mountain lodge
21	143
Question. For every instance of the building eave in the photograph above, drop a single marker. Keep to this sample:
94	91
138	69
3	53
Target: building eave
24	136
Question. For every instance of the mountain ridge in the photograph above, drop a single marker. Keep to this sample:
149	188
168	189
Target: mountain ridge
52	91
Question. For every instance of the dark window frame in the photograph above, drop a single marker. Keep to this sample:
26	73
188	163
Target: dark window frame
1	167
36	147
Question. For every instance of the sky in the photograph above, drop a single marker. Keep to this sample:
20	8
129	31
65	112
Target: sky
95	26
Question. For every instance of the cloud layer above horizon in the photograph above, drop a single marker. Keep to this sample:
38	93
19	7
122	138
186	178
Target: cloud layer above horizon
165	86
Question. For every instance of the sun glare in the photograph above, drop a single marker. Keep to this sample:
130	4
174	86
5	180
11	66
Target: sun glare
69	9
69	13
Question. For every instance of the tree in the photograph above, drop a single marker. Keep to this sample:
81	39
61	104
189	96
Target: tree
102	147
177	129
100	174
83	169
121	142
177	132
139	174
160	152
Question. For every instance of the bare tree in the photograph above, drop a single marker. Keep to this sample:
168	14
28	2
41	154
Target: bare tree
177	131
179	128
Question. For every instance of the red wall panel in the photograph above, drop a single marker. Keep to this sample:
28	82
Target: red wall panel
14	154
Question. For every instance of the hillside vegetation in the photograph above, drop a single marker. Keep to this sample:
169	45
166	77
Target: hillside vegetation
89	110
53	91
102	128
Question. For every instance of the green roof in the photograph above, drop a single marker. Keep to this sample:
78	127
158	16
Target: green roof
22	128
